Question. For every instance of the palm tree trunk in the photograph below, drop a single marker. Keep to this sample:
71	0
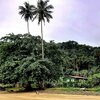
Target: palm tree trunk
28	26
42	41
77	70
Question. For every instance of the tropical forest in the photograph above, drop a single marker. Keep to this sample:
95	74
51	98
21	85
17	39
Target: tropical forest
30	63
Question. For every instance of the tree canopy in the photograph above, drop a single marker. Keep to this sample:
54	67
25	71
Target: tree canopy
20	61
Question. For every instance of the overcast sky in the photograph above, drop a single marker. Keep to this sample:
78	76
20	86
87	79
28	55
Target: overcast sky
77	20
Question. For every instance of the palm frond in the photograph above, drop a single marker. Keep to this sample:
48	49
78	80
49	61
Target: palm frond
32	7
48	16
49	12
26	11
46	3
34	17
42	11
49	7
26	5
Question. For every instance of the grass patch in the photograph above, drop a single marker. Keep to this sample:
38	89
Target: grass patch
4	86
65	89
15	89
75	91
96	89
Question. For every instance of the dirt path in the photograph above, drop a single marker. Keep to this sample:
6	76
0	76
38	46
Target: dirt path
45	96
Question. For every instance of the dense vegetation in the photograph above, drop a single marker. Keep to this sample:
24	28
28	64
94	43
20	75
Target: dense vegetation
20	62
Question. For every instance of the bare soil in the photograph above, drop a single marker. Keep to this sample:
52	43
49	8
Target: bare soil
45	96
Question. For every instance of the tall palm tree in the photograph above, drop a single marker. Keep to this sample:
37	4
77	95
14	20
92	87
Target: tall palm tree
42	11
26	12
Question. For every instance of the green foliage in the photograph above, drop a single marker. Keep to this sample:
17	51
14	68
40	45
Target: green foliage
53	53
15	89
4	86
44	71
8	72
84	73
94	80
80	91
96	89
20	62
66	89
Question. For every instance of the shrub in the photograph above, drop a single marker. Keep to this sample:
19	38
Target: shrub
94	80
4	86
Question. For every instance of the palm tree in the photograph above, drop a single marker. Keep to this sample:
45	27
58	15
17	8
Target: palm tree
26	12
42	11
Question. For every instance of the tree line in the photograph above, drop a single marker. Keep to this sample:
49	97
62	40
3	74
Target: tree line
20	61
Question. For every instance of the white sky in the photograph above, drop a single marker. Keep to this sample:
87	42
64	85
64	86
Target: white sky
77	20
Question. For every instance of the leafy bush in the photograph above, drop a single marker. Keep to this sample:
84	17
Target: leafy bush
15	89
4	86
94	80
44	72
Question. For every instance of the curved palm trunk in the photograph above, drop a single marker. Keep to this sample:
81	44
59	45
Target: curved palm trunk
28	26
42	41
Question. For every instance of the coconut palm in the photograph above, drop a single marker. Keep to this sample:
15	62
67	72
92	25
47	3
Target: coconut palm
42	12
26	12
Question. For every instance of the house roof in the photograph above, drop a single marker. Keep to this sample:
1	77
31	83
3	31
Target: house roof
78	77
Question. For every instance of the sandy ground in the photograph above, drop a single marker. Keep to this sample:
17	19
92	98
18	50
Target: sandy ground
45	96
